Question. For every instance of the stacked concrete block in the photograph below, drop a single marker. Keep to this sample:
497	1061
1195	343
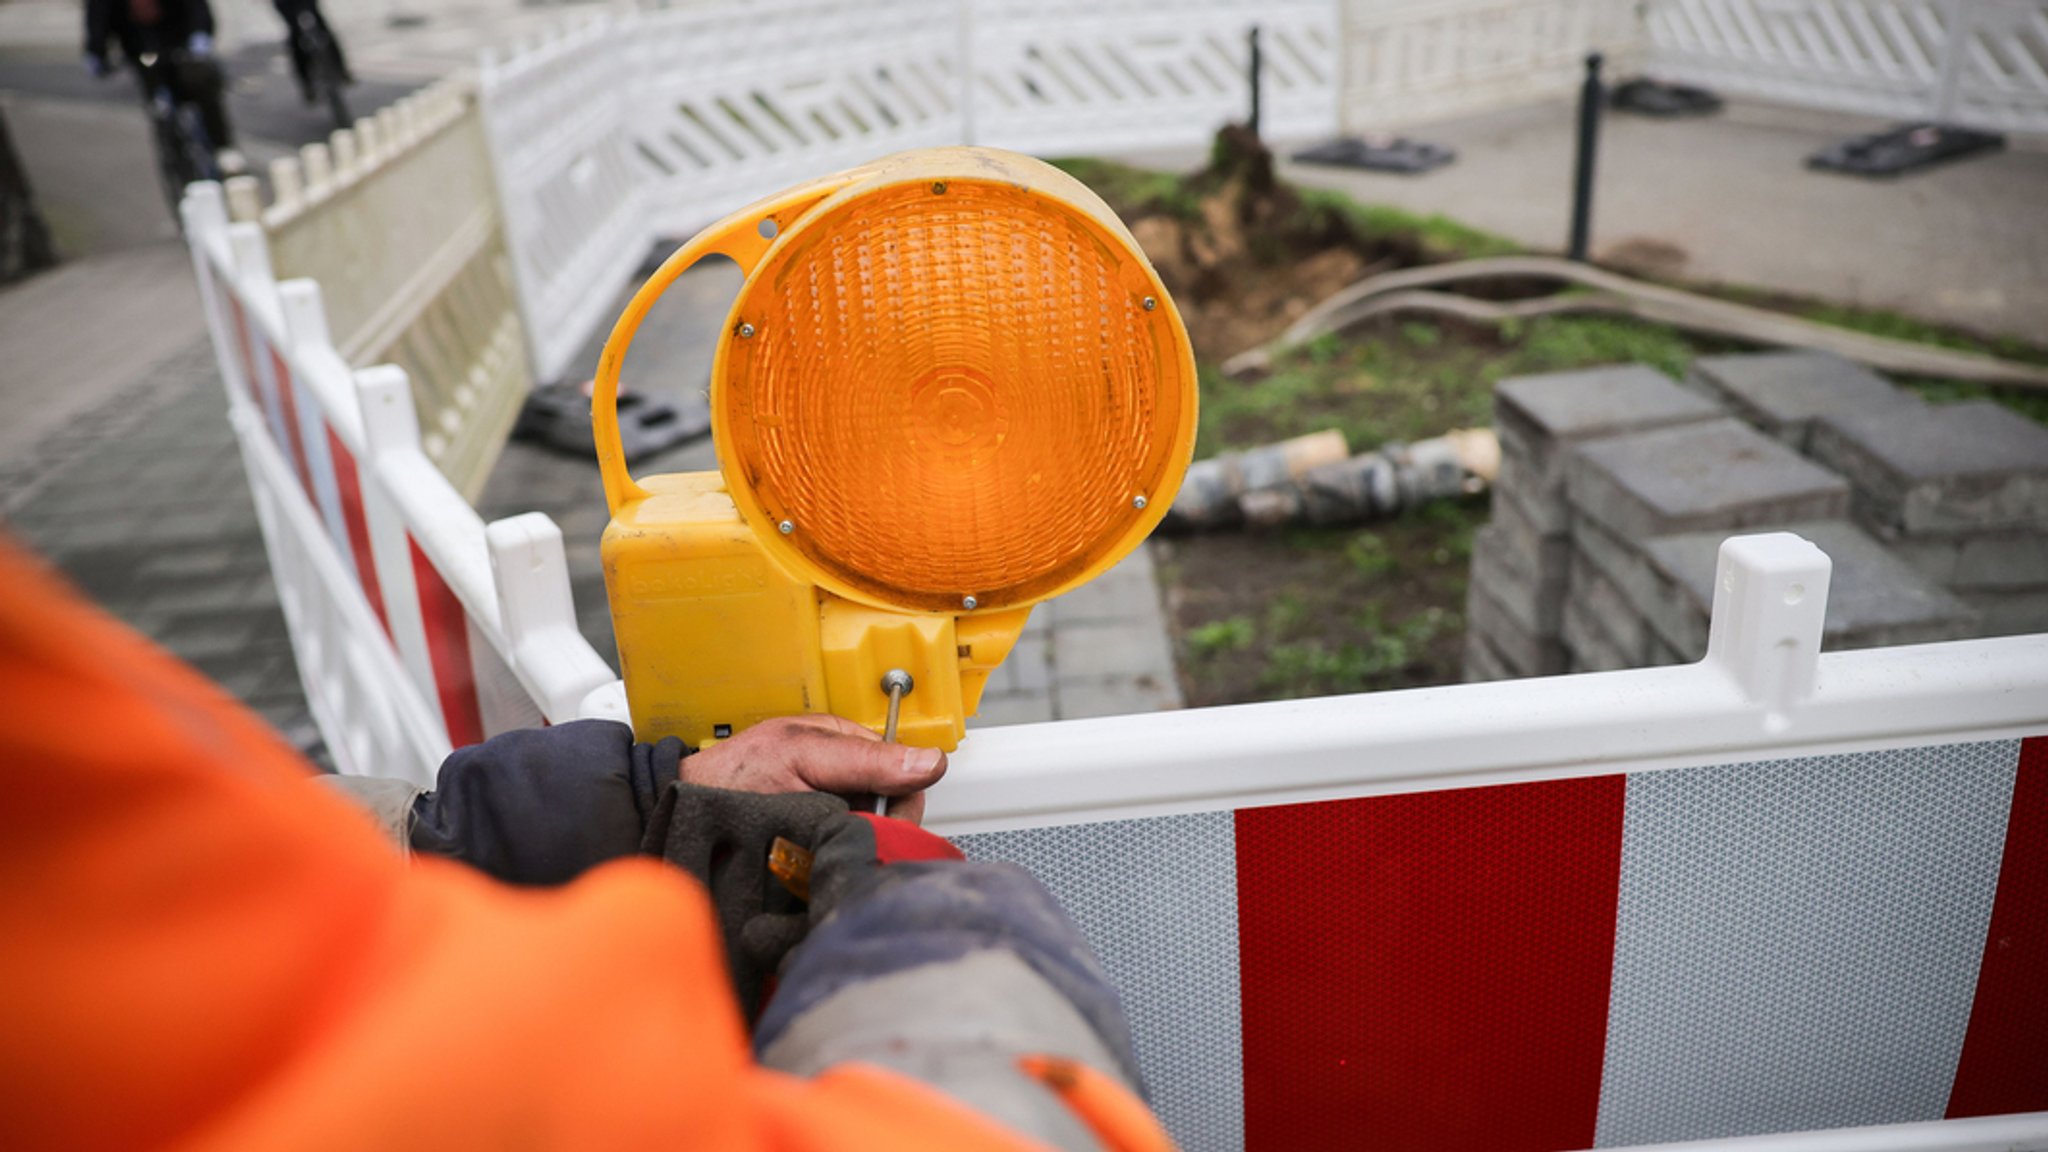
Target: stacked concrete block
1782	394
1715	477
1521	562
1960	492
1613	500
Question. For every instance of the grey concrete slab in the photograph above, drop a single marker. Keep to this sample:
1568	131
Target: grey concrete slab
1728	199
1720	474
1524	652
1992	560
1602	606
1482	663
1083	698
1587	646
1531	594
1874	598
1950	468
1540	418
1782	393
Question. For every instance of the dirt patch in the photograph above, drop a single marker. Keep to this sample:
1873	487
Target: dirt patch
1317	612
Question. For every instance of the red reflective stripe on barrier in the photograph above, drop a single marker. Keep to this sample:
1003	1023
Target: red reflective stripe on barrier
2004	1066
1429	970
288	405
348	487
242	346
447	628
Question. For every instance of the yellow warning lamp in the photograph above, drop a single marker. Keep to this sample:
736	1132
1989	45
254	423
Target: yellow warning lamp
951	387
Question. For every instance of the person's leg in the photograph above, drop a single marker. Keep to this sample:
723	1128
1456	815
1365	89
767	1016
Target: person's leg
203	86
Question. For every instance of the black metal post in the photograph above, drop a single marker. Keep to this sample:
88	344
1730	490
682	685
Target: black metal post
1253	122
1590	100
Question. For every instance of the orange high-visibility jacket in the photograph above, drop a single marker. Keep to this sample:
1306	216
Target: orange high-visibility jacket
198	948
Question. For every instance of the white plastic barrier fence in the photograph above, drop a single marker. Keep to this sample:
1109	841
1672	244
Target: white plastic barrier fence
658	120
1405	61
416	630
1079	77
398	220
1981	63
1771	892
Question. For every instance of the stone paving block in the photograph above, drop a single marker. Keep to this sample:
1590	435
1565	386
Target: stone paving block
1533	596
1874	598
1991	560
1620	562
1543	416
1782	393
1548	551
1125	648
1526	653
1949	468
1541	505
1587	647
1482	663
1079	698
1129	591
1604	607
1719	474
1030	663
1012	708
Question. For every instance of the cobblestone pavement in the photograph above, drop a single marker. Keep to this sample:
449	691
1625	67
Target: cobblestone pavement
142	504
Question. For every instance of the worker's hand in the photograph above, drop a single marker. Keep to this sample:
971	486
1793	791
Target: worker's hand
820	753
200	45
96	65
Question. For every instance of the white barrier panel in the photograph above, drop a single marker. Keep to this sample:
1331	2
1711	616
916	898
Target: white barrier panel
389	582
1770	892
397	218
557	112
1075	77
1405	61
1982	63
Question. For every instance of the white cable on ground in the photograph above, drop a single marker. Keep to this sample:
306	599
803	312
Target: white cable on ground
1411	290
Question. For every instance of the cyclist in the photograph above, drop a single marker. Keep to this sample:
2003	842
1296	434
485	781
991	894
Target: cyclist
301	17
169	43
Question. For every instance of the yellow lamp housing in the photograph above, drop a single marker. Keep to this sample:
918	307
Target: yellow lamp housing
951	387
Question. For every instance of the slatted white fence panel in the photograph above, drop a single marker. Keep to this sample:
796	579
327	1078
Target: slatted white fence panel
735	101
1405	61
415	627
1070	77
1982	63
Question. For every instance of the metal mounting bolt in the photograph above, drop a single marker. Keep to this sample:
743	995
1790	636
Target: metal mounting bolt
969	603
1151	302
786	527
1139	503
746	331
938	187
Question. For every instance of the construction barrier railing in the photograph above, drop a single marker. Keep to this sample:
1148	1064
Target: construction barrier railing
417	629
397	217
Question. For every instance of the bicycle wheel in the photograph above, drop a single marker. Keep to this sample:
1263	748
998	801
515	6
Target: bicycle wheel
184	153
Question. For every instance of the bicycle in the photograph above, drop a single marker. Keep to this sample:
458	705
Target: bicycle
184	149
317	57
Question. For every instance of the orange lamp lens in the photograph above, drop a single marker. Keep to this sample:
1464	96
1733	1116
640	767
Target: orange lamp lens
952	390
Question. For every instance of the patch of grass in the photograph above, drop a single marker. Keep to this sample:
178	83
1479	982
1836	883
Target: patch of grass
1232	635
1320	667
1410	381
1434	237
1134	191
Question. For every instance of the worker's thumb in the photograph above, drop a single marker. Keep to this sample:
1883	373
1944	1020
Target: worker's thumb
847	765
